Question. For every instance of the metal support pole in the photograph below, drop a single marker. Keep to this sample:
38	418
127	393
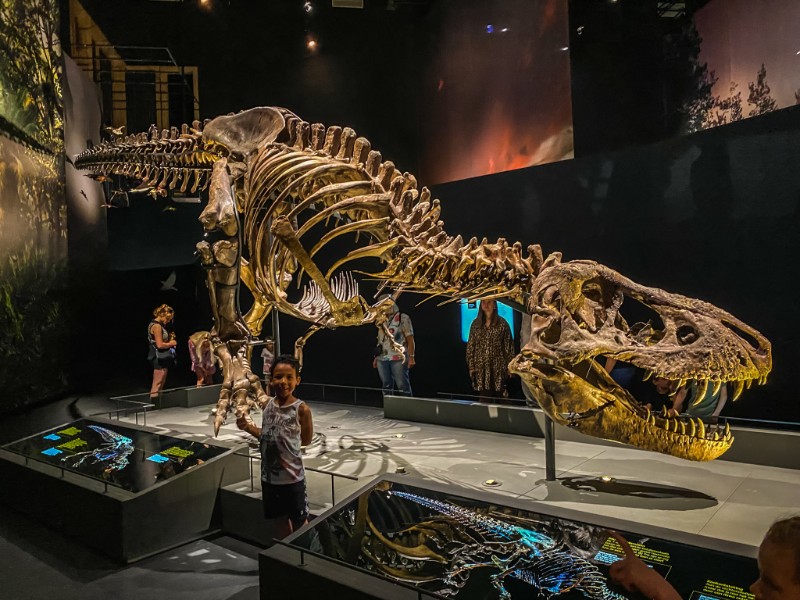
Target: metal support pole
276	331
276	325
549	449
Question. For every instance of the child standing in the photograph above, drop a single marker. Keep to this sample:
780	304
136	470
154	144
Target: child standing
202	355
286	426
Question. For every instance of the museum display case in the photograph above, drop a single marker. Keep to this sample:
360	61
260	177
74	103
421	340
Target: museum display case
398	532
122	489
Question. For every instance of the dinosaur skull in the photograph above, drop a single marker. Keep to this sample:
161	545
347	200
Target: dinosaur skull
577	315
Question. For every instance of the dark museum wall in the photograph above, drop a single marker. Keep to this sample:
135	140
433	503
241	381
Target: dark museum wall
713	215
255	54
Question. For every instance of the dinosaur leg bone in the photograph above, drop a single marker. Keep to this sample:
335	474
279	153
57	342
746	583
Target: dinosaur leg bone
254	319
301	342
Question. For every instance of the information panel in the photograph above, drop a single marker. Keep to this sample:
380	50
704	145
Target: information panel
125	457
471	549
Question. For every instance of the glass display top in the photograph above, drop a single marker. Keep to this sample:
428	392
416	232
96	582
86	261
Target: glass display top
472	549
121	456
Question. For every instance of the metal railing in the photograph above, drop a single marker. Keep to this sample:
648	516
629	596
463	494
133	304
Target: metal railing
333	476
341	394
479	398
138	407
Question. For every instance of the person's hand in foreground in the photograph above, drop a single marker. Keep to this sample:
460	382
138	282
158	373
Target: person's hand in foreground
635	576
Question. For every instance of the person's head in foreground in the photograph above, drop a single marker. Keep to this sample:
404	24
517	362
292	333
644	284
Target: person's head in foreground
778	567
779	562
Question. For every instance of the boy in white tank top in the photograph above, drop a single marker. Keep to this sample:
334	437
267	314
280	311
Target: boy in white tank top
285	427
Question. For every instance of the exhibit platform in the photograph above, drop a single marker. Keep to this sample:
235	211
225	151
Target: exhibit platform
120	488
768	447
399	536
732	501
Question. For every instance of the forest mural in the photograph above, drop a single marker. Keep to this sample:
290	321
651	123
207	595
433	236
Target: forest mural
33	236
744	61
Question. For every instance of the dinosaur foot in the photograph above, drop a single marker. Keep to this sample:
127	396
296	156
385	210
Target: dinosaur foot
241	389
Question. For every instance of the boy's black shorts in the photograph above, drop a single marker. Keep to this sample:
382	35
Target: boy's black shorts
285	500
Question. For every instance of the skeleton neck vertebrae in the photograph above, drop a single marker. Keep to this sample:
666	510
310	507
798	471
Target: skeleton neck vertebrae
287	189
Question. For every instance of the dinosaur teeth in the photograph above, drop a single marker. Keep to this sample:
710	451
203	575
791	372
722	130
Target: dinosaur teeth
647	375
651	420
748	383
692	428
717	385
737	390
701	429
702	389
682	427
727	431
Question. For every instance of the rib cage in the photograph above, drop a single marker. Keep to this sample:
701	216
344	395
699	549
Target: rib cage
313	302
336	173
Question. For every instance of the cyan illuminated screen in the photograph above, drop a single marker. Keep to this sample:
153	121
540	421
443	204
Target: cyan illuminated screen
469	312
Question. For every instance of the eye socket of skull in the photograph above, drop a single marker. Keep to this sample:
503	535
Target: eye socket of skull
687	334
551	298
594	291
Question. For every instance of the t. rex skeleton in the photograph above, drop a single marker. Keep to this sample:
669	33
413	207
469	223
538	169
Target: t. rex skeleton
275	181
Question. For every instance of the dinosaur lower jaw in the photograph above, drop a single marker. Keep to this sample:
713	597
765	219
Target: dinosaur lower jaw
583	397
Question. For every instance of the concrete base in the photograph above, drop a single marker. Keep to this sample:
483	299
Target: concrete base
243	514
119	523
767	447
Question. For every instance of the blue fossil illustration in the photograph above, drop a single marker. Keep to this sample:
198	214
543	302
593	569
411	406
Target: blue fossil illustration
513	551
115	450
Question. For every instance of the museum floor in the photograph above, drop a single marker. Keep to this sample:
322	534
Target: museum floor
725	500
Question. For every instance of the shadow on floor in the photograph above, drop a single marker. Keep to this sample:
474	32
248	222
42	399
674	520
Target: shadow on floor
626	493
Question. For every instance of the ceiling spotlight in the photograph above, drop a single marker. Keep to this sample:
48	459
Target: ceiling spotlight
308	7
504	30
490	28
564	48
311	43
